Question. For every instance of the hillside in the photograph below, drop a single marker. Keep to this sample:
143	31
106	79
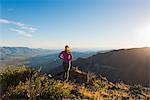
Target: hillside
26	83
18	55
131	66
33	57
8	52
51	61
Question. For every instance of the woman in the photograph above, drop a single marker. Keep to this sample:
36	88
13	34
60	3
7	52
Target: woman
66	57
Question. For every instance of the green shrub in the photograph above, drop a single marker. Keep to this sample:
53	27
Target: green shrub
40	87
26	83
56	90
12	76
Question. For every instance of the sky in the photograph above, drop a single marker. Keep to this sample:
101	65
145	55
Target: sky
94	24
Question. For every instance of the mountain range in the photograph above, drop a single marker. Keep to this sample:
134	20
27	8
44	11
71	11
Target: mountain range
15	56
131	66
8	52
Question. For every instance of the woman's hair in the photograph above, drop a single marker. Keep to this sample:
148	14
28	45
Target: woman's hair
66	46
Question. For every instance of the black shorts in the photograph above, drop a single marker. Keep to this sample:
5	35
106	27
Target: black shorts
65	66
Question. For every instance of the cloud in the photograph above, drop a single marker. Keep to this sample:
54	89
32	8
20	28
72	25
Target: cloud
23	27
18	24
21	32
4	21
31	29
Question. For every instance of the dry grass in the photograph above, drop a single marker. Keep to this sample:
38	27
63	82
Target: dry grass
31	85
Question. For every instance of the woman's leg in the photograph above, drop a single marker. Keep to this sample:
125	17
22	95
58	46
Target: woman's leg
65	66
68	70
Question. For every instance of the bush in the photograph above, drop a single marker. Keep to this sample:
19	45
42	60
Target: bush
12	76
38	87
26	83
56	90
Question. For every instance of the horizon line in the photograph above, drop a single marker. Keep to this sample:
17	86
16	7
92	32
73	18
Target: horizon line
76	48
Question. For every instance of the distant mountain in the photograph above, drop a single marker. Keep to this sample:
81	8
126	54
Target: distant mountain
7	52
18	55
127	65
34	57
51	61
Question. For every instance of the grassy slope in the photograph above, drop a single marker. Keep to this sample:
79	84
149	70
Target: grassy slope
22	82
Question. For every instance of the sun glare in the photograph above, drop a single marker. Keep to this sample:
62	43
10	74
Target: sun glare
144	35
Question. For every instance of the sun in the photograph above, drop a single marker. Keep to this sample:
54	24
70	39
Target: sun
144	35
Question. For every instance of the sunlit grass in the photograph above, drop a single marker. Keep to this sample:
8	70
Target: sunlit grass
26	83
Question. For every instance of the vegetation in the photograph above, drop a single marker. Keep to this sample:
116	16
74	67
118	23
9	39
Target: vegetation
26	83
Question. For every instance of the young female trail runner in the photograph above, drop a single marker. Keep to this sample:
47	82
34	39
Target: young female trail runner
66	58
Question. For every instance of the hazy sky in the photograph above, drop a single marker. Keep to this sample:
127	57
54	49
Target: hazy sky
93	24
